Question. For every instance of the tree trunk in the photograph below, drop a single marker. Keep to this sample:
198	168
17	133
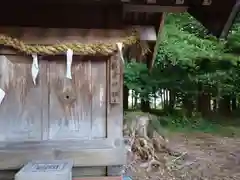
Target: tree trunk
204	106
145	105
165	99
155	101
215	105
225	106
125	97
172	100
188	106
135	100
234	103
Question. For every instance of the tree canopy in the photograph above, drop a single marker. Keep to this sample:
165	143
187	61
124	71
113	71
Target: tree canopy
195	67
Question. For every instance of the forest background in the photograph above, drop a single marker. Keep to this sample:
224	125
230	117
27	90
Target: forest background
195	81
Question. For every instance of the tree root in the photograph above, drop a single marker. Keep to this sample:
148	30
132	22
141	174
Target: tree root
146	150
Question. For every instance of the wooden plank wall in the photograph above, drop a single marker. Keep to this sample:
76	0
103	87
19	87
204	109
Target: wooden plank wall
23	107
53	118
77	112
115	111
56	108
77	107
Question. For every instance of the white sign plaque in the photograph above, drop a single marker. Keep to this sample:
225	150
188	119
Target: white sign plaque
50	170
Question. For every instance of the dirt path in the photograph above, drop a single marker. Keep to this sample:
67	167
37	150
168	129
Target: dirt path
206	157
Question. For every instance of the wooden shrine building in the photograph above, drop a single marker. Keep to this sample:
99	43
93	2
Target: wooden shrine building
61	76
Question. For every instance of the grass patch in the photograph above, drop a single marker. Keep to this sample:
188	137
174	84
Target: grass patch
184	124
180	123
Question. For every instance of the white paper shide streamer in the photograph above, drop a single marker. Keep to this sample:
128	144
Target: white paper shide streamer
35	68
69	63
120	46
2	95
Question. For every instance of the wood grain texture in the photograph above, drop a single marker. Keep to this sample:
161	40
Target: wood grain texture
115	111
77	107
159	35
59	118
84	153
99	99
14	159
22	109
70	101
155	9
55	144
115	116
115	79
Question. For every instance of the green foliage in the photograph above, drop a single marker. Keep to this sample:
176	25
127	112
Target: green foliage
165	124
177	121
198	124
189	61
233	43
184	39
137	77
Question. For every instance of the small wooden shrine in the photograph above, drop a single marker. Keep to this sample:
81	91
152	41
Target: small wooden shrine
61	83
61	77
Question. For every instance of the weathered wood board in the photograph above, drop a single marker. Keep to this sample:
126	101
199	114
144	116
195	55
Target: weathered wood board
77	106
61	118
115	110
115	79
57	114
15	157
23	107
57	107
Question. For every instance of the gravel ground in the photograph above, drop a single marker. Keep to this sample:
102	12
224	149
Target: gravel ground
204	157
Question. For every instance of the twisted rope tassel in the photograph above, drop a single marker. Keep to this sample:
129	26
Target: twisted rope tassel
79	48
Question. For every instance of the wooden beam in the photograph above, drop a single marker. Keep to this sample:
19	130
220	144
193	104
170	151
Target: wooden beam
81	144
217	18
61	15
83	153
153	8
230	20
158	40
76	2
147	33
101	2
15	159
114	111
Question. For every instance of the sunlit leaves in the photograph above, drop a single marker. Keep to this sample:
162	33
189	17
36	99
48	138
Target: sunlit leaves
189	58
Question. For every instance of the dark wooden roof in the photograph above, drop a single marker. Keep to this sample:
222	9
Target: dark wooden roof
218	17
77	13
108	2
